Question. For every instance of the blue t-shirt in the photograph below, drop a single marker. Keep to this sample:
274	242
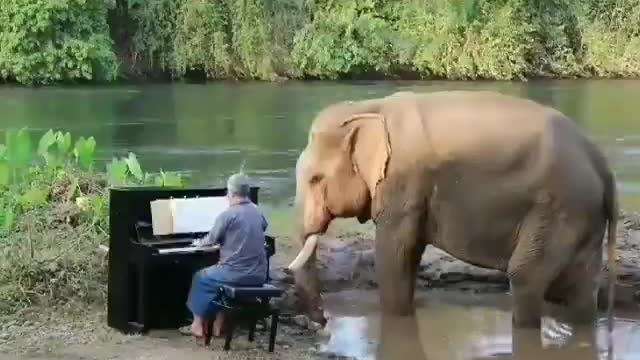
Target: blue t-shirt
240	232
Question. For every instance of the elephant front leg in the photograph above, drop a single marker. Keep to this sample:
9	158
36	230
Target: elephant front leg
399	248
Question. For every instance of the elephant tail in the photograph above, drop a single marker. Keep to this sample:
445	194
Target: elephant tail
611	211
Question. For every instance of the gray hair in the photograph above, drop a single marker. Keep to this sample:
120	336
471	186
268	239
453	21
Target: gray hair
238	185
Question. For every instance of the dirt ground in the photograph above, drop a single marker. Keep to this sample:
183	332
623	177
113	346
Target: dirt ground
346	262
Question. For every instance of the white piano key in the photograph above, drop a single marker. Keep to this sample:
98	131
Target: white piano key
188	249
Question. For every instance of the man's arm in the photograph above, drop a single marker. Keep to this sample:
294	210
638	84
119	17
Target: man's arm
216	235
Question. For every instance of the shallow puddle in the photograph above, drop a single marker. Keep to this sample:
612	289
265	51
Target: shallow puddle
458	326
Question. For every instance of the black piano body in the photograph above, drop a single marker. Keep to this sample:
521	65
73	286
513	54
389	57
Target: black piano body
148	289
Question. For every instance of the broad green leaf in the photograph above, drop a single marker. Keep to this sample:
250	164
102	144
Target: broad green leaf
45	143
19	148
84	152
171	179
158	181
3	151
117	171
5	173
64	143
134	167
11	146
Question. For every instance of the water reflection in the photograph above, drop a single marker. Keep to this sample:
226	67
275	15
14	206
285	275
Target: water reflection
463	327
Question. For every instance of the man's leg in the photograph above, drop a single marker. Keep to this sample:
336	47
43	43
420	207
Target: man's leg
204	288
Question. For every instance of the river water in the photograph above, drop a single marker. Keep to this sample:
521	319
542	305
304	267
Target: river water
210	131
463	326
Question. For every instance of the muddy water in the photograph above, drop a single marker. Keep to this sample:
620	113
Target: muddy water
461	326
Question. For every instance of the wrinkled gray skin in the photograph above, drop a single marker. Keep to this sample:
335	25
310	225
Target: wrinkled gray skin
496	181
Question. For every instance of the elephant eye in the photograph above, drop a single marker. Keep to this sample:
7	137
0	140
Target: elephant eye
315	178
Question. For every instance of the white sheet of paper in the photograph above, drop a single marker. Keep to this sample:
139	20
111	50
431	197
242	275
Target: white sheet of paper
197	214
161	218
175	216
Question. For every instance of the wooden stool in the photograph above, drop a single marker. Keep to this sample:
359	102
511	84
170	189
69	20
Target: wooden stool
244	303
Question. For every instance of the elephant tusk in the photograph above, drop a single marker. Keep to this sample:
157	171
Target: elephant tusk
305	253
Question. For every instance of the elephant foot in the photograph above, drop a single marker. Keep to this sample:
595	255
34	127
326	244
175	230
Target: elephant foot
527	309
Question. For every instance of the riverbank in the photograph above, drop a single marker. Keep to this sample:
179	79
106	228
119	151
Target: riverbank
345	262
103	41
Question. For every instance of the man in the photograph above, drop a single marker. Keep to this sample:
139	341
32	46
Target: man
239	231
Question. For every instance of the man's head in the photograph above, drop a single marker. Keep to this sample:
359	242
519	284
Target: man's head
238	186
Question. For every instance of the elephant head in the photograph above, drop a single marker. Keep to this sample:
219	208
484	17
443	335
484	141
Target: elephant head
336	177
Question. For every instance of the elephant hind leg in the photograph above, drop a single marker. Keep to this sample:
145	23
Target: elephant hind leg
543	245
579	282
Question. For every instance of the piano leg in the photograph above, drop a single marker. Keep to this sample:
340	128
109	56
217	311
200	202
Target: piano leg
143	297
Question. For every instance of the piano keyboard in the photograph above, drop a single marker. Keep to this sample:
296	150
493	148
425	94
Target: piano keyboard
188	249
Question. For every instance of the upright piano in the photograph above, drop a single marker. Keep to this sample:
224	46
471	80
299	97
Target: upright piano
150	276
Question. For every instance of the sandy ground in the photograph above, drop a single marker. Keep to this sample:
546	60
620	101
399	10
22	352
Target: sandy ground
346	262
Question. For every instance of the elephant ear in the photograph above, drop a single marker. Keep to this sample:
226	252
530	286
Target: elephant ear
369	147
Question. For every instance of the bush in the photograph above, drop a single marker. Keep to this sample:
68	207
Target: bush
343	38
44	41
54	214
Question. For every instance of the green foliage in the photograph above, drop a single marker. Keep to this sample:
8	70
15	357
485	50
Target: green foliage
202	40
57	198
84	152
154	25
344	37
44	41
128	172
611	37
18	148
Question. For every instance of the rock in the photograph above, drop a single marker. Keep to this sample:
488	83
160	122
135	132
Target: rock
312	325
4	336
301	320
323	332
312	350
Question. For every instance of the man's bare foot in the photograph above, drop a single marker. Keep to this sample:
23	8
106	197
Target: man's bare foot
196	329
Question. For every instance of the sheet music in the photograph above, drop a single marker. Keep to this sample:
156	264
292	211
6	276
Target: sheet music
190	215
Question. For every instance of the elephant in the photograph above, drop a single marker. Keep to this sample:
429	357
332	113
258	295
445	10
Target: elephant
495	180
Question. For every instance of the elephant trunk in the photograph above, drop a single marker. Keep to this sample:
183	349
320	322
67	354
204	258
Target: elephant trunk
305	271
304	266
308	288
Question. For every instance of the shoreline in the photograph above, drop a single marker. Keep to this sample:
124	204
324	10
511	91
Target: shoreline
311	81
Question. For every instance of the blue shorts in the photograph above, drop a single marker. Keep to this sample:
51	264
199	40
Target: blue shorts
205	288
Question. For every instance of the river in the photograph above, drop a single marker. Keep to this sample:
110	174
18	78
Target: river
209	131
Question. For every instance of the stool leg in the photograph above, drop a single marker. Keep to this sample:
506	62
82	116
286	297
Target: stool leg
207	327
274	329
230	324
252	328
